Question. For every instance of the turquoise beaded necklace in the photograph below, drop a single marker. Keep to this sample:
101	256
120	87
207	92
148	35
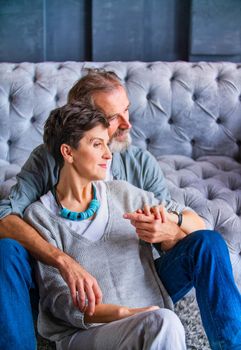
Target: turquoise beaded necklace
78	216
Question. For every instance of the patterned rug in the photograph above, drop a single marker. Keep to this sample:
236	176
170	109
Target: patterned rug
188	312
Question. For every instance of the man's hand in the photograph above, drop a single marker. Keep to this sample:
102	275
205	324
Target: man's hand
84	289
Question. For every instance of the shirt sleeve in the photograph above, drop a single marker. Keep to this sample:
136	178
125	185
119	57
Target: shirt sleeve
36	177
152	177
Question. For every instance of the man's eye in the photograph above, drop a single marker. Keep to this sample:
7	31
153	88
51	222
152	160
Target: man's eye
112	119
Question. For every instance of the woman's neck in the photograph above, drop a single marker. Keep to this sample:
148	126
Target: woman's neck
73	192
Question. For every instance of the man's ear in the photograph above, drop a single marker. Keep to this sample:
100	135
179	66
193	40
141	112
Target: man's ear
67	153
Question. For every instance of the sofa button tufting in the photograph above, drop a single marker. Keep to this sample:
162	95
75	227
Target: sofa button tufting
33	120
57	98
148	96
218	121
35	79
10	98
238	143
193	142
9	142
170	121
194	97
239	97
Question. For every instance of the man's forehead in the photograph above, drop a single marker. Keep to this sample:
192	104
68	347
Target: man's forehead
112	102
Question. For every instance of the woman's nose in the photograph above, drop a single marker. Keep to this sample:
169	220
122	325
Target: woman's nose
107	154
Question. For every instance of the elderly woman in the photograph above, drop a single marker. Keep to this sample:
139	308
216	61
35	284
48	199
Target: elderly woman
84	217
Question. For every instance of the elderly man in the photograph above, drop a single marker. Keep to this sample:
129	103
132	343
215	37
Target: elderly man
198	259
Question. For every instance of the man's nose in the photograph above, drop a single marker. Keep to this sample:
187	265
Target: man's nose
124	121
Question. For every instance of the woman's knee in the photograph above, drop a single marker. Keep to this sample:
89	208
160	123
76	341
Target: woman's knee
170	319
166	321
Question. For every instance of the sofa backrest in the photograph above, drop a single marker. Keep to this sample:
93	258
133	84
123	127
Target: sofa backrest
192	109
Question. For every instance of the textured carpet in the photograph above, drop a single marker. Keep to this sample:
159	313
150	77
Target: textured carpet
188	312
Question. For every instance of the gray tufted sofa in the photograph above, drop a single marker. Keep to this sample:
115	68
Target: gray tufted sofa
188	115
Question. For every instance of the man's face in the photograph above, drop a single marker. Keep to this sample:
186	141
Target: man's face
115	105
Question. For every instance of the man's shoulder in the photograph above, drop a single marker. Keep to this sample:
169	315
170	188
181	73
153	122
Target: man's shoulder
40	156
136	153
41	151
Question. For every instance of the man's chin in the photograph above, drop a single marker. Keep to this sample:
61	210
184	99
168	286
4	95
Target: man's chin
120	144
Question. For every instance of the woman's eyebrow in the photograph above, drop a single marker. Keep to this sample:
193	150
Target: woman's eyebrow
96	138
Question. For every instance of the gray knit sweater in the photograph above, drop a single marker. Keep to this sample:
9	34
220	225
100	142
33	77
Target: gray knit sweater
121	263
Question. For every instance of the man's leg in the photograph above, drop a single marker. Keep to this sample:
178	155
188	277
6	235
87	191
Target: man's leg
202	260
154	330
16	321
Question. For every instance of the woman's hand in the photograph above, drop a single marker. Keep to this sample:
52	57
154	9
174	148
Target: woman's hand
157	212
105	313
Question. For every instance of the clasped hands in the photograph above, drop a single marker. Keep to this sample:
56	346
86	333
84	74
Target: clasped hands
156	225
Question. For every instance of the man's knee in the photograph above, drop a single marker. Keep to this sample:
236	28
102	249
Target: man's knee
13	255
8	244
208	240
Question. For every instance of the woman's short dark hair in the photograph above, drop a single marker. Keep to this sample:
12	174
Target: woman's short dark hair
68	124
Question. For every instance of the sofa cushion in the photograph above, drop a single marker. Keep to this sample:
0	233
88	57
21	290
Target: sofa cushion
211	186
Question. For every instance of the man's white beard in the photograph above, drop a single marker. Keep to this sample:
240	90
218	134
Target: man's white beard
120	146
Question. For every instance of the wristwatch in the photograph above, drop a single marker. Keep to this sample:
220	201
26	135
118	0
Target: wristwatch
179	222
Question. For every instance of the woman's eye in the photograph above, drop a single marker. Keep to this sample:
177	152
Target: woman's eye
97	144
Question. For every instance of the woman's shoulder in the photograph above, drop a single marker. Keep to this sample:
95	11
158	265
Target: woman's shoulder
34	210
129	195
122	186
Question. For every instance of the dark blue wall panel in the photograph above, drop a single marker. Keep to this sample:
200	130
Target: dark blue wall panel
139	29
215	30
104	30
21	30
66	26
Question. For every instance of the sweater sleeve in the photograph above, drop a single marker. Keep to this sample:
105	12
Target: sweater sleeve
55	297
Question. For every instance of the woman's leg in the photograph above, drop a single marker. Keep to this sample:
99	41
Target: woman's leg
154	330
16	322
202	260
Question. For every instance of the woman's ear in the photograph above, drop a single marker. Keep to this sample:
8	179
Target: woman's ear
67	153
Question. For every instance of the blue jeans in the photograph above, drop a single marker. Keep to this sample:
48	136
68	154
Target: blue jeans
16	319
201	260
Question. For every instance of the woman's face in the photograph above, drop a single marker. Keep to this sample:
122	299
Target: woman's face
89	160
